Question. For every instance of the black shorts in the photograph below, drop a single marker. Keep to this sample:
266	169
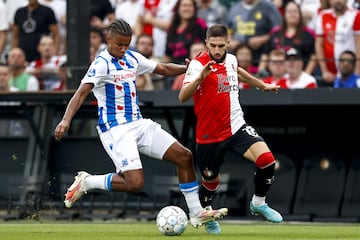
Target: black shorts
210	157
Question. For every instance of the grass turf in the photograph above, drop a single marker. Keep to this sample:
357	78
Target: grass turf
147	230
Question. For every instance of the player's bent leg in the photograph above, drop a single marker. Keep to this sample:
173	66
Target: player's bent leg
77	189
129	181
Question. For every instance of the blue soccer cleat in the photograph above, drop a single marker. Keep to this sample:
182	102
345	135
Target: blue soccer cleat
267	212
213	227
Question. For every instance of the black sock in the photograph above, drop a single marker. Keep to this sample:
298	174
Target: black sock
263	179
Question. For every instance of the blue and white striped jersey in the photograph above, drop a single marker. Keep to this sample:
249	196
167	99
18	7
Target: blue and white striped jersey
115	87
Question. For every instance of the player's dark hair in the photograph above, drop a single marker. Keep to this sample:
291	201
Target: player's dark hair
217	30
121	27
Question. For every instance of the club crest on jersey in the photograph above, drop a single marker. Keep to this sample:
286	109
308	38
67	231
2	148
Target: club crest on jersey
124	162
208	173
91	72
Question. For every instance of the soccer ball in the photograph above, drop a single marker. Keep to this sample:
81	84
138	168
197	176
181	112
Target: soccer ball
171	221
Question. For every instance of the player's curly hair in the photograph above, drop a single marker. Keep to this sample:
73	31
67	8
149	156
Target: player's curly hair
121	27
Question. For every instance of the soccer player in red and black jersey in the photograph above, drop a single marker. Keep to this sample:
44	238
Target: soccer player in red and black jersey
212	81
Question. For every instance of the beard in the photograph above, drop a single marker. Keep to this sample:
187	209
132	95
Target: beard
339	8
218	60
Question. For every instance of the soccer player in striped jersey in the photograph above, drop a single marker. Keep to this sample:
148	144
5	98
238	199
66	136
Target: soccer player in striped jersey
212	81
122	129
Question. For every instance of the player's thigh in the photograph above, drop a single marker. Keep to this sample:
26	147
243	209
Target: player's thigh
255	150
209	158
155	141
120	144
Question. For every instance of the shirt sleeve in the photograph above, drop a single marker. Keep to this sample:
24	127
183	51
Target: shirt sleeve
193	71
97	70
145	65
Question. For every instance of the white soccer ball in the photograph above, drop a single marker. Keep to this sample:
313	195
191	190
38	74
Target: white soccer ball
171	221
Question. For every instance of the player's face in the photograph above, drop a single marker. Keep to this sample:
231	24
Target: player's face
118	44
217	47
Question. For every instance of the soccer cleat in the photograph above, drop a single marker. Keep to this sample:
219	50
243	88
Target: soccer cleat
267	212
76	190
207	215
213	227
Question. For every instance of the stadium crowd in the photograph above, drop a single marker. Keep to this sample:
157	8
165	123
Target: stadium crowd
313	41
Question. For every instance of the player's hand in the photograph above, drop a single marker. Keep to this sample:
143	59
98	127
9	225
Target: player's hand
61	128
271	87
207	69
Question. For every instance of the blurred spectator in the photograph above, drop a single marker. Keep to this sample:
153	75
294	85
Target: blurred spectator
130	11
63	75
185	29
46	68
195	49
295	76
144	45
244	58
30	23
155	21
291	34
19	78
4	26
212	12
347	78
250	22
309	11
5	79
102	13
337	29
59	8
23	81
7	126
97	42
276	66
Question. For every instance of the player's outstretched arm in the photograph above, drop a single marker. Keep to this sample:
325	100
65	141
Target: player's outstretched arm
73	106
170	69
255	82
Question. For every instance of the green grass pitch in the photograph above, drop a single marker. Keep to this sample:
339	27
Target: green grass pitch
147	230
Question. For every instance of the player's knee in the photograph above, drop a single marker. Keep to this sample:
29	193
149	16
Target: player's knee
185	158
265	160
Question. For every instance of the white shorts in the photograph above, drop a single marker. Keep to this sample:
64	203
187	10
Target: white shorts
124	142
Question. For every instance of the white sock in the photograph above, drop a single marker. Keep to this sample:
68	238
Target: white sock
99	182
191	194
193	202
258	201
